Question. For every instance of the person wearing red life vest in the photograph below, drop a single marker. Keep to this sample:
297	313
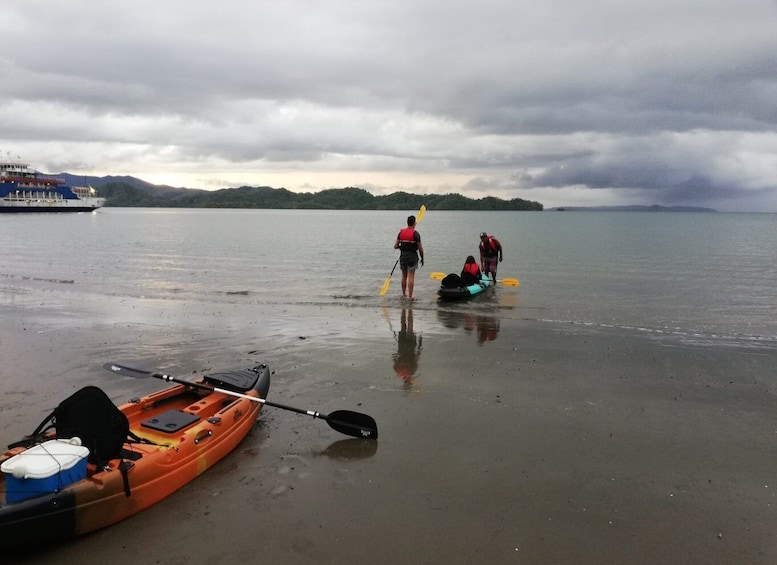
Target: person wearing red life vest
409	244
490	254
471	273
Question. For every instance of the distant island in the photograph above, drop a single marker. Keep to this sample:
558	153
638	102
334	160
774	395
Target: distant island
132	192
128	191
653	208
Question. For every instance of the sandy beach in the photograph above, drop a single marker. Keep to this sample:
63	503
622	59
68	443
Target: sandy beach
501	440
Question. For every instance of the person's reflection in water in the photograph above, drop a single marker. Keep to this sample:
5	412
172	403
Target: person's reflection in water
488	328
485	328
409	347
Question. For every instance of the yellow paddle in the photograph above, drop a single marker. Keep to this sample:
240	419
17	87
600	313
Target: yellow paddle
386	284
438	276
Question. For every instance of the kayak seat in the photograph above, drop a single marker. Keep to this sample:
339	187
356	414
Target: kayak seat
171	421
91	415
236	381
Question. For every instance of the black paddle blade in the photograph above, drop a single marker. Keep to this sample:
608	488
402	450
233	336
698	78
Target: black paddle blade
353	424
125	371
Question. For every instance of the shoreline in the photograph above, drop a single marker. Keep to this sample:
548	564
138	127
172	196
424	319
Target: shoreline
511	441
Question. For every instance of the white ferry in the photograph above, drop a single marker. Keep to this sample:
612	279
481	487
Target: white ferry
23	189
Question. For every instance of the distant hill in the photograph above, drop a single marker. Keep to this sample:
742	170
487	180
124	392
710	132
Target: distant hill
653	208
129	191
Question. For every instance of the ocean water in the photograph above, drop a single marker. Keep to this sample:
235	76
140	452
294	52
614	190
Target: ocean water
688	276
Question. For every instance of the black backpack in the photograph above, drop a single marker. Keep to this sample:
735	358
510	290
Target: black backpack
91	416
451	281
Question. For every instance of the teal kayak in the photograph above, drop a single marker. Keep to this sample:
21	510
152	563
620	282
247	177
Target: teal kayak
456	292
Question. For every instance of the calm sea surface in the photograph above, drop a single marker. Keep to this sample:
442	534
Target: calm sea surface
679	275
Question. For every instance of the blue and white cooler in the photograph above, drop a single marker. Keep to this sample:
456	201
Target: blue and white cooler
47	467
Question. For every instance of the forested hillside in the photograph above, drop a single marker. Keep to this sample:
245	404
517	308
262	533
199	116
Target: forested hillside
131	192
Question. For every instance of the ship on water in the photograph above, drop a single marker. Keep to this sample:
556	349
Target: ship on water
23	189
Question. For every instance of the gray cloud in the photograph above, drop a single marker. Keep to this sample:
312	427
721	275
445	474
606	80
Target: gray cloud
668	102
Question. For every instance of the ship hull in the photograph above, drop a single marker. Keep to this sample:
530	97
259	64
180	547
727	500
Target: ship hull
16	209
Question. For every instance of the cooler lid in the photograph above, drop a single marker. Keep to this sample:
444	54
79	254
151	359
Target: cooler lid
45	459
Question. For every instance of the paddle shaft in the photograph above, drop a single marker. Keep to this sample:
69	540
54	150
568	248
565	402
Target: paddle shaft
438	276
344	421
172	379
394	267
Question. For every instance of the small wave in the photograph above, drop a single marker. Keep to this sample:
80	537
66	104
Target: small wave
37	279
686	336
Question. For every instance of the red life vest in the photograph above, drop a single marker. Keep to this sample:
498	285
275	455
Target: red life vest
490	247
406	235
407	240
472	268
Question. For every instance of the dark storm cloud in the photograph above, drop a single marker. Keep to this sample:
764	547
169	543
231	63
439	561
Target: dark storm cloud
672	101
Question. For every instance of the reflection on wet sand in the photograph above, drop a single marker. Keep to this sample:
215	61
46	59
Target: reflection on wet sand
409	346
486	328
351	449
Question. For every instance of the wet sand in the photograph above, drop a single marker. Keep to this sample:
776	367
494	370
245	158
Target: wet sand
501	440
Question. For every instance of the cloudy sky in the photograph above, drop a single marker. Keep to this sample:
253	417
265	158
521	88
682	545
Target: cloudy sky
566	102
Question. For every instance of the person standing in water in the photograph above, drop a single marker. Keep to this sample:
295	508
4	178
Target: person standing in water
409	244
490	254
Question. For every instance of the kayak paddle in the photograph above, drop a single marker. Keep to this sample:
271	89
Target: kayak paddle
386	284
385	287
507	282
344	421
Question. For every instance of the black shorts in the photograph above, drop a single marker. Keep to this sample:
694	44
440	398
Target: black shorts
409	262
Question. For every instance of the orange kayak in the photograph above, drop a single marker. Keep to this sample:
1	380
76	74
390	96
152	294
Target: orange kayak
97	464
